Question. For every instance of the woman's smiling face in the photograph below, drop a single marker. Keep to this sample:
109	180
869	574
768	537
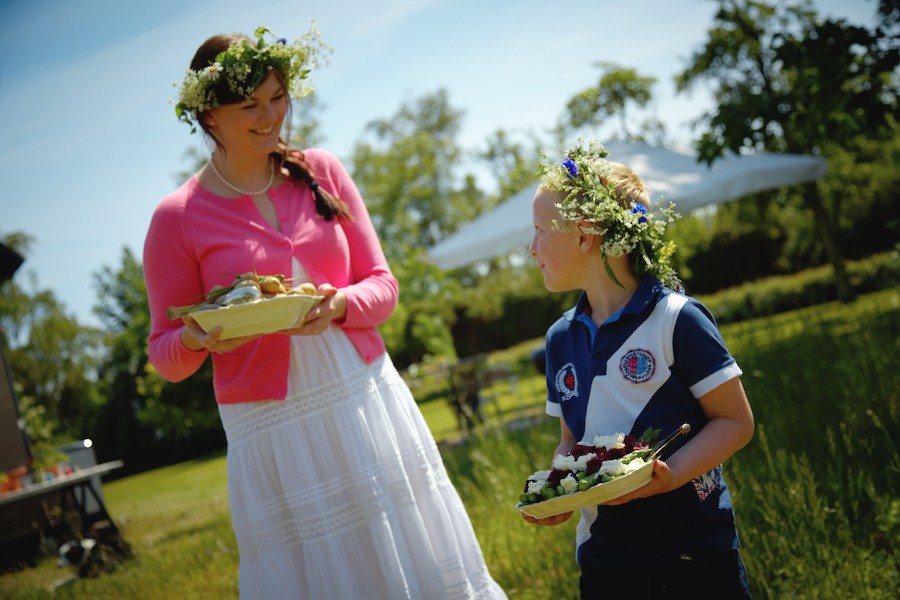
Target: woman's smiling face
254	125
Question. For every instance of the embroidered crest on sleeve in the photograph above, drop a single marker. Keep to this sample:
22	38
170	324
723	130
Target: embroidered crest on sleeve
567	382
638	365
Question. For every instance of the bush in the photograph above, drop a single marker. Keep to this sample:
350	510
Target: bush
514	318
779	294
512	306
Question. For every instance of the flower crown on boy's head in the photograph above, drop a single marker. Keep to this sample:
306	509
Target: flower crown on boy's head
244	65
594	198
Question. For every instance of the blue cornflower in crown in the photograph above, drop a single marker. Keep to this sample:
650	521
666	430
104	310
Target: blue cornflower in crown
244	65
571	167
594	198
642	210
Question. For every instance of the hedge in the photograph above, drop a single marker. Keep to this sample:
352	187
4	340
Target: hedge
810	287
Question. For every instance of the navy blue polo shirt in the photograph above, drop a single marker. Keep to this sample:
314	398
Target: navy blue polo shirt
643	368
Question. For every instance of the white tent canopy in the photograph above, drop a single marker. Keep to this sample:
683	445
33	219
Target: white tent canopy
673	174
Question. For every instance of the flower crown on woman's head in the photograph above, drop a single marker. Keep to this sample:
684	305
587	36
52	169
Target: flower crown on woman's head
593	198
244	65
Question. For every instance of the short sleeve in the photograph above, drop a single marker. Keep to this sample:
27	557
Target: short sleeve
702	360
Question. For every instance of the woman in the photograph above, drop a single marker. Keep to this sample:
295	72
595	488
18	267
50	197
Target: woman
336	486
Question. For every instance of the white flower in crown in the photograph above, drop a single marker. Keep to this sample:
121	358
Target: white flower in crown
213	71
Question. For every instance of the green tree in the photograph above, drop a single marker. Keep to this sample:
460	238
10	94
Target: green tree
52	358
622	97
410	176
122	308
409	170
512	164
144	419
787	81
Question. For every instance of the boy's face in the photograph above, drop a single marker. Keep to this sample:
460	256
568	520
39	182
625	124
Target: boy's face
557	253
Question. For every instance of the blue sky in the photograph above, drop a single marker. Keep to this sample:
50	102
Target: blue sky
90	143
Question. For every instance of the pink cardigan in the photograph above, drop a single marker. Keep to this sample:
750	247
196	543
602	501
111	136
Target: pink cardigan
197	239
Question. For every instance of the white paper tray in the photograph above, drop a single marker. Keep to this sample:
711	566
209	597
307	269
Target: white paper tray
600	493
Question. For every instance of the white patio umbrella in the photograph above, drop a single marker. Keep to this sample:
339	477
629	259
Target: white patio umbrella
671	173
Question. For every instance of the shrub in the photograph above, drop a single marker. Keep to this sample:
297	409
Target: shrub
779	294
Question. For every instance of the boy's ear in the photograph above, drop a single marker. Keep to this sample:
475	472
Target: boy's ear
586	240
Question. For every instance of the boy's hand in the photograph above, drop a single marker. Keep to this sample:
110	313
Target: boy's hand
548	521
660	483
728	428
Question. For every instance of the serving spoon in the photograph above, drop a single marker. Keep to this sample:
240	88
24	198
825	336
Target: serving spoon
685	428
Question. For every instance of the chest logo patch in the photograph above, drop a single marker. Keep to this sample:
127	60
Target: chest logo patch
567	382
638	365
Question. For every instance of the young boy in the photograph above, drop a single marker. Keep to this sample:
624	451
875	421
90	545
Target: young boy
633	354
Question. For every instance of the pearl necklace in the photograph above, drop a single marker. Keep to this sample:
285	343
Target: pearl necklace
239	190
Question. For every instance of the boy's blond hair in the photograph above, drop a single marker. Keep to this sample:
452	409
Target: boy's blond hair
630	188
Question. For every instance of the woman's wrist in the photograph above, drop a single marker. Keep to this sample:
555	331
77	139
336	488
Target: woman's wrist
185	335
340	307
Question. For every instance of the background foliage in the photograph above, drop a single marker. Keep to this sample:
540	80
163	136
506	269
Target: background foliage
786	81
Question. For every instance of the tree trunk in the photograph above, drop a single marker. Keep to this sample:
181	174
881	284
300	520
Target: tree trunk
830	242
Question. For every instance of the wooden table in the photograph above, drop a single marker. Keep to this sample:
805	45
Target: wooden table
73	490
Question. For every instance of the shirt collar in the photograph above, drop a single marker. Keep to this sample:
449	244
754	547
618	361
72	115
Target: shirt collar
648	289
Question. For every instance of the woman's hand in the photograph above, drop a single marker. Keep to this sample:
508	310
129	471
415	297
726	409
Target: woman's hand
194	338
548	521
333	307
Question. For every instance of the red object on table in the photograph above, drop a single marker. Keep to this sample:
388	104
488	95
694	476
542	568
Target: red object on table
15	478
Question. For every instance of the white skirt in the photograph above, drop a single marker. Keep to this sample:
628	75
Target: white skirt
339	491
